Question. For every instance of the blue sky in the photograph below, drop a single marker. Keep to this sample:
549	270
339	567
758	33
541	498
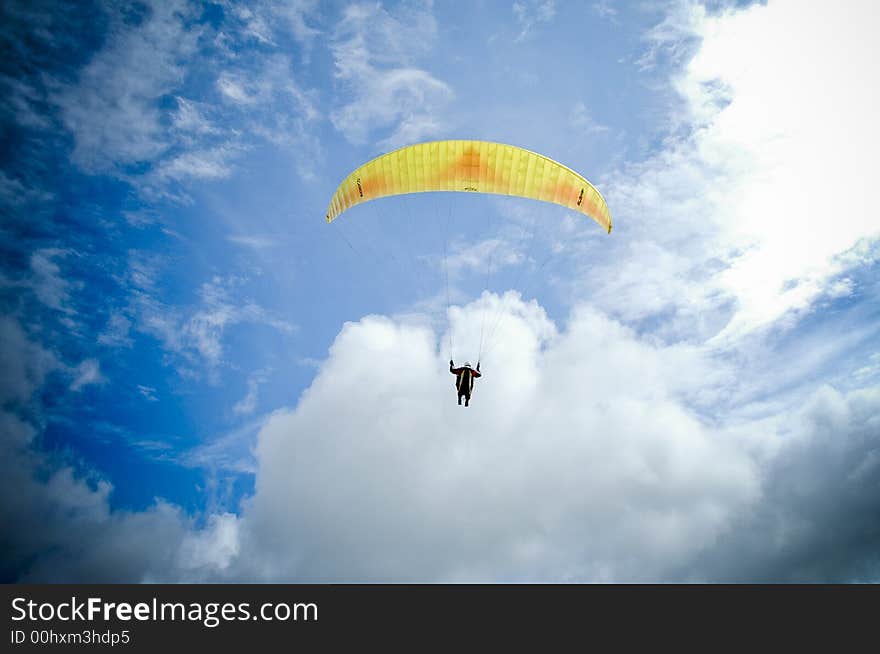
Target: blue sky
202	380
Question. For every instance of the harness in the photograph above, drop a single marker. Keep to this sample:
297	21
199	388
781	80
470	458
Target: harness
465	381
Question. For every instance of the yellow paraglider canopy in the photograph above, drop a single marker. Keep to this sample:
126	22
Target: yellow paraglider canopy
470	166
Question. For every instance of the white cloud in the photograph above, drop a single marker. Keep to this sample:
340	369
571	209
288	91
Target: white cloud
272	105
113	110
817	521
274	84
265	20
30	33
581	118
374	53
248	403
46	280
56	523
206	552
576	461
581	458
148	392
485	257
230	451
256	24
252	241
116	332
530	13
15	194
190	119
841	288
87	372
198	164
592	451
797	157
751	207
233	89
24	365
118	114
673	38
195	333
294	16
605	10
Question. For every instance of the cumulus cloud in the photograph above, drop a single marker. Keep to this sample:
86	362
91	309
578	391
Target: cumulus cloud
56	523
581	458
577	462
817	521
586	460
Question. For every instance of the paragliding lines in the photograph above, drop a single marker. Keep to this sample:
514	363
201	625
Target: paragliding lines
446	273
488	273
470	166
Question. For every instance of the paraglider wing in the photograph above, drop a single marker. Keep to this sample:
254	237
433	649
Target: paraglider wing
470	166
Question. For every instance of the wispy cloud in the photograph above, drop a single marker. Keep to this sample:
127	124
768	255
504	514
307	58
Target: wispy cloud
124	123
15	194
48	283
485	257
274	85
25	364
190	118
248	403
86	373
231	450
531	13
148	392
116	332
605	10
674	38
32	32
265	97
263	20
251	241
207	164
114	108
374	54
194	333
582	120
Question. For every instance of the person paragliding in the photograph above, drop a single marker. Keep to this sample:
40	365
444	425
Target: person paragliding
469	166
464	380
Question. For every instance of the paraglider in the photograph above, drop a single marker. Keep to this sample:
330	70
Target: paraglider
464	380
466	166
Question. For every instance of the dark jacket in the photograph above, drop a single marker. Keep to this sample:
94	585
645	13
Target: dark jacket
464	379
